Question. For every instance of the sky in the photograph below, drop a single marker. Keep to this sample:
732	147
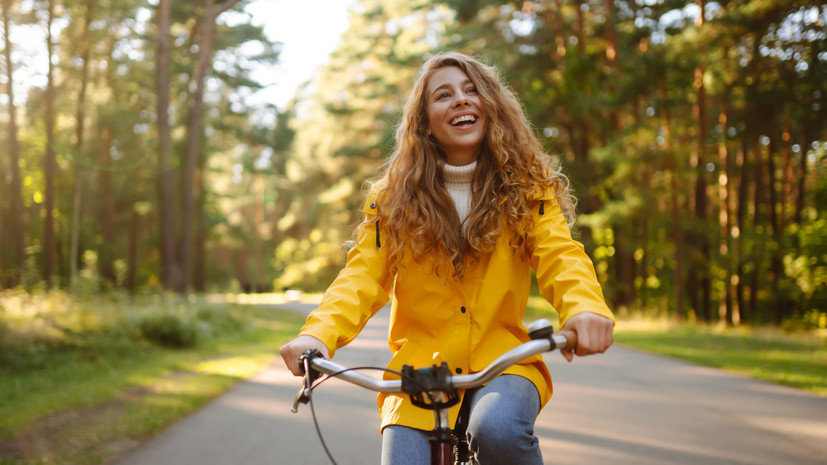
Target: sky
310	31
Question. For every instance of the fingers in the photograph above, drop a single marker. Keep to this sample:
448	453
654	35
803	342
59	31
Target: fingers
291	359
292	351
594	334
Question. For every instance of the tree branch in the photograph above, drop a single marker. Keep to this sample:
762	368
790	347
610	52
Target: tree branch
221	8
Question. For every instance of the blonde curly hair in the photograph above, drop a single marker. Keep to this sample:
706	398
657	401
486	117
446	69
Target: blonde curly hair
415	212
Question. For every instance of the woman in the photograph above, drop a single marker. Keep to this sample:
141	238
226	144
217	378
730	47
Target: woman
466	206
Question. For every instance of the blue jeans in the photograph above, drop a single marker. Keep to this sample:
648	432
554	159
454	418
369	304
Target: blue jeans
500	430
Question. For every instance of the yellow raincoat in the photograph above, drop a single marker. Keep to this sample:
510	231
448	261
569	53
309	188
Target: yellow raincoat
469	322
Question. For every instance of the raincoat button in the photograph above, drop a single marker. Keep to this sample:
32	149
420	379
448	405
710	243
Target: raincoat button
458	370
462	309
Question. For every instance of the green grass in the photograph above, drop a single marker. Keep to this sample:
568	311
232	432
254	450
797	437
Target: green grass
83	379
94	385
797	360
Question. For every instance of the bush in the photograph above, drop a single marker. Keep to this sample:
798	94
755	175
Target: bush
813	319
217	320
169	329
179	328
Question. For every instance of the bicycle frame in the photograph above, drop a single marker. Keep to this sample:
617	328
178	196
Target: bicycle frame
435	388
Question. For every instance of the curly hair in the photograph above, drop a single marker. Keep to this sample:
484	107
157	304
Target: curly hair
415	212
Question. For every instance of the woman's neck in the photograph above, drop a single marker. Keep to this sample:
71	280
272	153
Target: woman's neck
461	158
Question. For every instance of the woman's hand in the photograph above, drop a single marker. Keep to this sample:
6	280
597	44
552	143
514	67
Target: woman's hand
291	352
594	334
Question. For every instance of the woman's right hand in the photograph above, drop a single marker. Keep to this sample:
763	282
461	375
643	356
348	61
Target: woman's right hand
291	352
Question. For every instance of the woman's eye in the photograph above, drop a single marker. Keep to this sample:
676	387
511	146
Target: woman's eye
472	90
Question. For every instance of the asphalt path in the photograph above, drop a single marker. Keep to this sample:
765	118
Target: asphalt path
624	407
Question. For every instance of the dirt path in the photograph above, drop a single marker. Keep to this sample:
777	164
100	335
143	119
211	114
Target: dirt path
624	407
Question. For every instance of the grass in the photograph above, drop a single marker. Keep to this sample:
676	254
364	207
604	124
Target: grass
83	380
79	383
796	359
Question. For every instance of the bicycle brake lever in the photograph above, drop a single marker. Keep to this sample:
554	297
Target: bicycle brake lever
302	397
310	375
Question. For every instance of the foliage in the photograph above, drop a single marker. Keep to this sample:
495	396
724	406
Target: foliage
37	327
692	133
77	375
169	329
181	327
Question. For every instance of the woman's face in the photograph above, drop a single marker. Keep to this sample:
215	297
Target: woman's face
456	115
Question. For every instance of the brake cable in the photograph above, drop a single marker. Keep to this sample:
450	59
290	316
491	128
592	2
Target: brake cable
327	377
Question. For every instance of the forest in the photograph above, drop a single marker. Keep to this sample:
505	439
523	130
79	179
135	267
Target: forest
693	133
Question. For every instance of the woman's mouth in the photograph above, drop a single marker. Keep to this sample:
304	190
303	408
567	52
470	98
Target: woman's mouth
464	120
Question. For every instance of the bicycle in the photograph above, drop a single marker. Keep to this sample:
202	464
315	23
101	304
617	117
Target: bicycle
432	388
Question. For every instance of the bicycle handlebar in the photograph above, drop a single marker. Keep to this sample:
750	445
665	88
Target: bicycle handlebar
544	339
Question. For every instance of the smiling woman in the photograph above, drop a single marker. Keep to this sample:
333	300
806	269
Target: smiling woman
456	116
466	206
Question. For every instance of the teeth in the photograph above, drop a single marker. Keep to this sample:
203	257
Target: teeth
460	119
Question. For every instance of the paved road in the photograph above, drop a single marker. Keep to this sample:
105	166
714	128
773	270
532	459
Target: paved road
624	407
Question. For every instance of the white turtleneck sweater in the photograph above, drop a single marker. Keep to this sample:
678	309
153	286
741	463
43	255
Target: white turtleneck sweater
458	184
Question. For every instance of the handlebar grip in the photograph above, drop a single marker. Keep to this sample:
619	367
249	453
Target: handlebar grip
571	339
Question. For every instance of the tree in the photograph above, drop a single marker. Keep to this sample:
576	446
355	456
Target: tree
49	161
16	226
346	133
171	274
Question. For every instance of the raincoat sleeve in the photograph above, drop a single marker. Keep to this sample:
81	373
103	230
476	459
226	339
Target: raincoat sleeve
565	273
358	292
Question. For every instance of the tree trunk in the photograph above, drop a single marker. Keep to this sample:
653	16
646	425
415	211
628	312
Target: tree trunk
580	28
107	209
625	234
742	166
807	137
199	275
17	226
132	256
786	193
134	238
80	121
800	198
677	226
50	160
613	48
700	284
553	20
206	39
74	247
258	219
776	264
107	194
726	311
171	276
755	255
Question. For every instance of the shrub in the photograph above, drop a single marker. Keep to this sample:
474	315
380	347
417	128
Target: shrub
217	319
169	329
813	319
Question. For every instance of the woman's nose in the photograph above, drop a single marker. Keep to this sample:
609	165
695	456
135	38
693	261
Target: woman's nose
461	100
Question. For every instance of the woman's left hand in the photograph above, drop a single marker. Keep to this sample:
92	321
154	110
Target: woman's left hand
594	334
